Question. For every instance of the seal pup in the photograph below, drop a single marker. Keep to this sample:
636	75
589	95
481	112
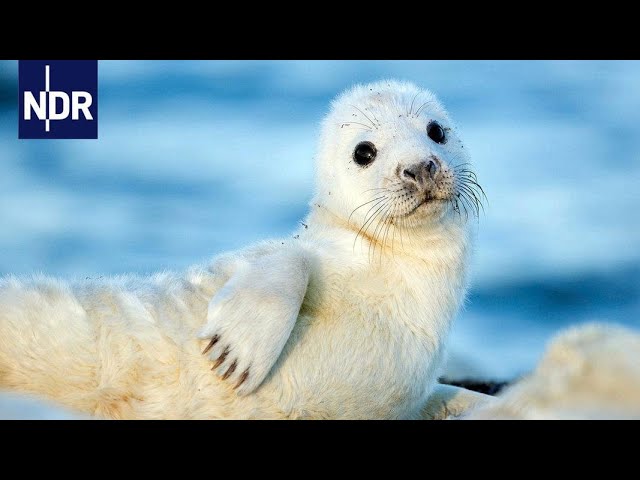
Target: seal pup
589	371
348	318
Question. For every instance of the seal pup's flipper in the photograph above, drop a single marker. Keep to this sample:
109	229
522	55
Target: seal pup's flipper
448	402
251	317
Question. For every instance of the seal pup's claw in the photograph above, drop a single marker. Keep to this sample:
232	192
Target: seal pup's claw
243	377
211	344
230	370
221	358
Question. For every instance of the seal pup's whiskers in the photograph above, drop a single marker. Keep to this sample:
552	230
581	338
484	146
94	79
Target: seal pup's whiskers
412	101
349	124
421	107
373	125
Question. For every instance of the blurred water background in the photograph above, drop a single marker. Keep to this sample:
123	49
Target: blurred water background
194	158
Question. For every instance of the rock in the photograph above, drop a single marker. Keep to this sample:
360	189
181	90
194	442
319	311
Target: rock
482	386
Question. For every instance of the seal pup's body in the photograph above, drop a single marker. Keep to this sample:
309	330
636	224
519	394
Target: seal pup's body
346	319
589	371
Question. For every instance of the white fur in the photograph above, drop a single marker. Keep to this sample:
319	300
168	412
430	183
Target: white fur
589	371
253	314
364	338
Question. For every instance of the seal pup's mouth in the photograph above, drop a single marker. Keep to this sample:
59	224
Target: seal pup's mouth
428	200
457	187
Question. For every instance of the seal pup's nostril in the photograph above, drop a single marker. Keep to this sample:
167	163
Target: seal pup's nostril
408	173
432	168
421	172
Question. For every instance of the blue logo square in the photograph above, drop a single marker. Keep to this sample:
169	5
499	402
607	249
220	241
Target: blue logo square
58	99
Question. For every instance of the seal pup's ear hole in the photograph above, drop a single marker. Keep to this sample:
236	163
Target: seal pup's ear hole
364	153
436	132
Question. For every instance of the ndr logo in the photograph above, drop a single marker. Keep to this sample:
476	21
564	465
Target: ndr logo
58	99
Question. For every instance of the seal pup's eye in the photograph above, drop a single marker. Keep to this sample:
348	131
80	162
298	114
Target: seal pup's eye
365	153
436	132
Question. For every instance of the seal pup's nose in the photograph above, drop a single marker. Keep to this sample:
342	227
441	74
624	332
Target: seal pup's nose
432	168
421	172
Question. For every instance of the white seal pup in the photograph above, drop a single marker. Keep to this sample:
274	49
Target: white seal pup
589	371
346	319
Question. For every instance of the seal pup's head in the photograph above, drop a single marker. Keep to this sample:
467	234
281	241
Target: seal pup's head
390	155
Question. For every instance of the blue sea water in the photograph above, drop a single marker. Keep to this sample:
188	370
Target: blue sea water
556	146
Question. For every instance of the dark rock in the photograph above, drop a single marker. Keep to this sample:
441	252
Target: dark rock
486	387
